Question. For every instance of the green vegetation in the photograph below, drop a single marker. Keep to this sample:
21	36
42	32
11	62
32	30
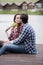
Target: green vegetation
21	11
17	0
12	0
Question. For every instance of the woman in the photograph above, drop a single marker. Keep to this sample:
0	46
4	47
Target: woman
15	30
25	43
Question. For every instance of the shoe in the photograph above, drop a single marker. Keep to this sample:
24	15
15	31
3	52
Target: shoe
1	43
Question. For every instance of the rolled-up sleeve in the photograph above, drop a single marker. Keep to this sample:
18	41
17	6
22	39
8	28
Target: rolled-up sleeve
21	37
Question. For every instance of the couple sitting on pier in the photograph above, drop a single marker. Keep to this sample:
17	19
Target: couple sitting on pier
21	38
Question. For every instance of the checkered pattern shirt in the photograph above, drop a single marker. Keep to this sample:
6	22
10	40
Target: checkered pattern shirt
27	37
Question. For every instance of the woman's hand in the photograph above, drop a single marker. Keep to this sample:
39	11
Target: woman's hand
6	42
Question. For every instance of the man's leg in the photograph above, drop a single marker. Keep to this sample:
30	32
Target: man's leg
12	48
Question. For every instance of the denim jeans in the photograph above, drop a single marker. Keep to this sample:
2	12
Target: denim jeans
12	48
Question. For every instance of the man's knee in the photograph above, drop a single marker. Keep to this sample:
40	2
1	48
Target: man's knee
5	45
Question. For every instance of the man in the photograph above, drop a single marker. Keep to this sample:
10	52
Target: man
25	43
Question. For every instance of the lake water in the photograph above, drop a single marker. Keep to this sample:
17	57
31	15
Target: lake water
36	21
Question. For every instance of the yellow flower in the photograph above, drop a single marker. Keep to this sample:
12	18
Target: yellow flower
14	24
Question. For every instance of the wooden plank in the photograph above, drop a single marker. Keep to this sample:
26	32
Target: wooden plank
23	59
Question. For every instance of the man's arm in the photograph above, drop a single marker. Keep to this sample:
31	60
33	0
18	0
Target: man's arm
21	37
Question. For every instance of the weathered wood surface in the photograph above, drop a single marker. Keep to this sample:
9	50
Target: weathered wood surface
23	59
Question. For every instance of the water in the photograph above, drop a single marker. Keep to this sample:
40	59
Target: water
35	21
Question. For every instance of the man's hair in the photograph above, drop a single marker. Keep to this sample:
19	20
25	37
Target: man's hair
24	18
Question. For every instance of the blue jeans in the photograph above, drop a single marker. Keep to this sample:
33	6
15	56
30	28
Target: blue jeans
12	48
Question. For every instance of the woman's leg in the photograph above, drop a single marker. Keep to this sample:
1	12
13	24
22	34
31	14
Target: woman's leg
12	48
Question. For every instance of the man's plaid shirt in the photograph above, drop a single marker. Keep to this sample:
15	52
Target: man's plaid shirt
27	37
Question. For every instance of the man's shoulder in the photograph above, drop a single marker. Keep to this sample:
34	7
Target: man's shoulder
28	26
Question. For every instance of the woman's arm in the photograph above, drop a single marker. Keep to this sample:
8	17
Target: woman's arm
13	25
7	30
